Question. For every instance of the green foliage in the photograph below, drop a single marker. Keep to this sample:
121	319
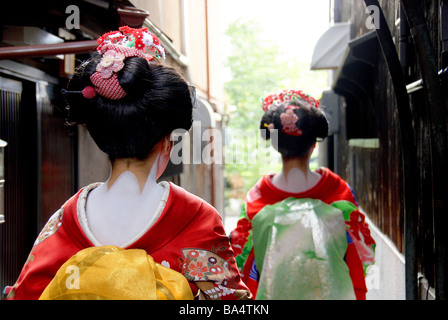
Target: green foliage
256	71
258	68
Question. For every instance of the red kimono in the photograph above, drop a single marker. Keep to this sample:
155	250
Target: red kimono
188	237
330	189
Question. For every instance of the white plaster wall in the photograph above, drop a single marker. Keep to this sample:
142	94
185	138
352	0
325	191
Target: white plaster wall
386	279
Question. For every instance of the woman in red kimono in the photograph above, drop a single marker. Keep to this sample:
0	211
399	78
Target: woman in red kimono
297	122
131	103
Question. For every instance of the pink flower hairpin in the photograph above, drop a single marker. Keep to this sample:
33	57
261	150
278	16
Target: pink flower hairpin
112	61
289	120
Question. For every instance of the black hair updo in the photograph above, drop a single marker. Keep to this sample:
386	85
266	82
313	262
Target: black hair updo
311	121
158	101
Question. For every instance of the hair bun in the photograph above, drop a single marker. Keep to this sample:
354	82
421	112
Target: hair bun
298	125
266	124
320	127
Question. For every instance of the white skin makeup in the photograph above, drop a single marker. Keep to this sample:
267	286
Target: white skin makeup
119	210
296	176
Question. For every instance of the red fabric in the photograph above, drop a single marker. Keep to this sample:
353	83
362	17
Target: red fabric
251	283
356	271
108	88
329	189
186	222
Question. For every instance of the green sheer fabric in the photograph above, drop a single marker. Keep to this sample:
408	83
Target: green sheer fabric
299	247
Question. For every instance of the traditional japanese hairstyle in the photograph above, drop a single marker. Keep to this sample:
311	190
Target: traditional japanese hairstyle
114	47
297	119
126	97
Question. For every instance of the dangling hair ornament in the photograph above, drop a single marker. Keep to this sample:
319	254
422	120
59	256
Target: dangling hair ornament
114	47
88	92
288	118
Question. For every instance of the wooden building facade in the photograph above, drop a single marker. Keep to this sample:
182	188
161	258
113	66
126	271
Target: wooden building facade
390	144
46	161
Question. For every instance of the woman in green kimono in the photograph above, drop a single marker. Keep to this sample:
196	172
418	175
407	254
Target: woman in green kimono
300	234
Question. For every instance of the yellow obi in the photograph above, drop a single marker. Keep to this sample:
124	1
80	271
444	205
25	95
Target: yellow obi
112	273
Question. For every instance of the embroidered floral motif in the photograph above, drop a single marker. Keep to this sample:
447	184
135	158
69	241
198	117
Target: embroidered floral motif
360	235
197	270
289	120
112	61
203	265
211	273
51	226
359	227
216	270
212	260
194	254
240	235
217	292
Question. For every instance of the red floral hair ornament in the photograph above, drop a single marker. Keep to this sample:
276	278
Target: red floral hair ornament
140	39
288	118
288	96
115	47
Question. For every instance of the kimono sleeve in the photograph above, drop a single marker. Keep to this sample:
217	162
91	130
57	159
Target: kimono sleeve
361	246
43	261
209	261
242	243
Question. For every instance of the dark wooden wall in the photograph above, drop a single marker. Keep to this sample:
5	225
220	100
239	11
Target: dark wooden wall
39	165
18	230
376	174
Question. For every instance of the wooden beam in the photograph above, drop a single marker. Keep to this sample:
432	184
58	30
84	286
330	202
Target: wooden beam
48	49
